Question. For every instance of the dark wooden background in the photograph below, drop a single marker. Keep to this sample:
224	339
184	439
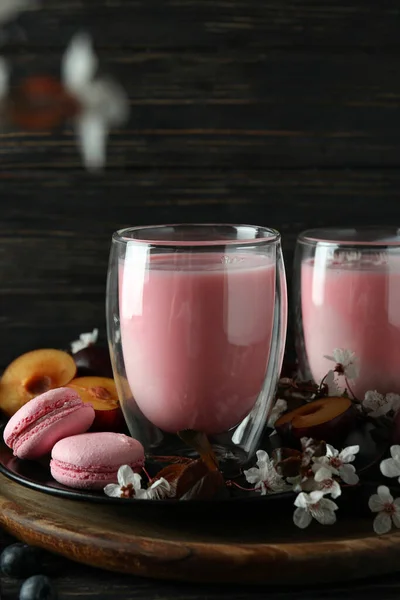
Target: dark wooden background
277	113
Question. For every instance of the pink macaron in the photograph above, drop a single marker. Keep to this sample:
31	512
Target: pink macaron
92	460
34	429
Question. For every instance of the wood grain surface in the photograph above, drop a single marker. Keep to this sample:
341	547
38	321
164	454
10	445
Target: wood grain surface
214	547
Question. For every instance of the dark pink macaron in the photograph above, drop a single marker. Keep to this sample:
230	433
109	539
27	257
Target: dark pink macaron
34	429
92	460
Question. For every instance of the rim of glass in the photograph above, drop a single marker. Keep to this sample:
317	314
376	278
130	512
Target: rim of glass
368	236
260	235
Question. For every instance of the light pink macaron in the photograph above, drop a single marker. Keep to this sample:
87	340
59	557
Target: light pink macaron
34	429
92	460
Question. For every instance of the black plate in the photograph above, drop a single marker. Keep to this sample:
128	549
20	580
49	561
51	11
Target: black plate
36	475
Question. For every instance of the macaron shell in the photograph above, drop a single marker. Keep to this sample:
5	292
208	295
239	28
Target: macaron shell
101	449
37	408
41	439
92	460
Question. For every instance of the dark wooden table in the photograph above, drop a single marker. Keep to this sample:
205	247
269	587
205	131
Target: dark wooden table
79	581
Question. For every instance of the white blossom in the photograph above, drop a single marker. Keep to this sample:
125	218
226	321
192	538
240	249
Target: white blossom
335	463
129	485
346	363
379	404
388	510
279	408
104	103
265	476
314	505
85	340
390	467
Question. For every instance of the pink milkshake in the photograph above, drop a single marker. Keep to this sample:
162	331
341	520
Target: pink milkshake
355	305
196	333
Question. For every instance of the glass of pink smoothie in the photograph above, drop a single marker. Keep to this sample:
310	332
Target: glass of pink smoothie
347	286
196	324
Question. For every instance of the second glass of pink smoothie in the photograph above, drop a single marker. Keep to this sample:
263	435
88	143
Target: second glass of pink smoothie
197	324
347	284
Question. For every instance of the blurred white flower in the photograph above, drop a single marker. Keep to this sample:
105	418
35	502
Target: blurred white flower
104	103
346	362
388	510
378	404
85	340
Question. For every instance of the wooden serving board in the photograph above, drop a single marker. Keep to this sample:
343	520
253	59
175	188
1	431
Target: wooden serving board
230	546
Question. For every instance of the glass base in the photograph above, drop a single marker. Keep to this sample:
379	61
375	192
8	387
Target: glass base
231	458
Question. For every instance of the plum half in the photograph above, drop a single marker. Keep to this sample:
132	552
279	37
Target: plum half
329	419
34	373
101	393
93	360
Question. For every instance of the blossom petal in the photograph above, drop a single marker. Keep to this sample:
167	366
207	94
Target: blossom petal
394	399
352	371
107	99
321	473
384	494
302	500
375	503
390	468
348	474
382	523
123	473
331	358
159	489
348	454
316	496
262	457
331	451
395	453
325	517
113	490
396	519
92	134
335	489
301	518
79	63
252	475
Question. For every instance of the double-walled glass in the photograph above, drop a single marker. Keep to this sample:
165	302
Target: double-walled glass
347	286
196	326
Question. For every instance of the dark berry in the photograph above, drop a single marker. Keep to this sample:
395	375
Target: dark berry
37	587
20	561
